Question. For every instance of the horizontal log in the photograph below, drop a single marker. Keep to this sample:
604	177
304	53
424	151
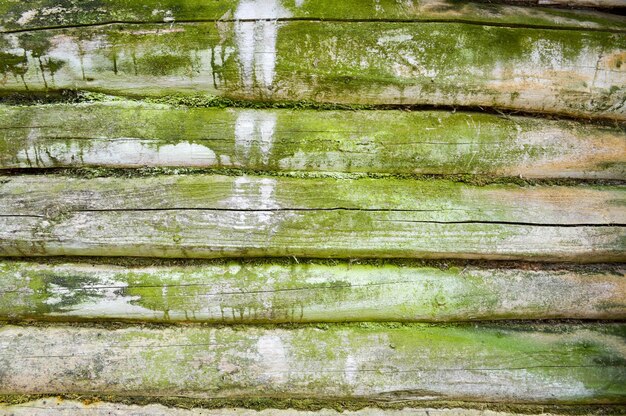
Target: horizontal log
222	216
258	293
567	364
262	234
38	14
129	134
574	72
438	200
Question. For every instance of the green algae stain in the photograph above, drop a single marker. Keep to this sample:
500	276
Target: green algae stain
44	293
373	62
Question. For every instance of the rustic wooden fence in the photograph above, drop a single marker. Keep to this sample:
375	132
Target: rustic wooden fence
388	207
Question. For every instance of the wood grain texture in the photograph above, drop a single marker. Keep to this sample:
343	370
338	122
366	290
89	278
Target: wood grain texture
223	216
131	134
573	72
37	14
274	293
573	364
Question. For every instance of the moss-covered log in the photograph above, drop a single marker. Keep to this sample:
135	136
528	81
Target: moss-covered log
223	216
130	134
514	363
38	14
237	292
575	72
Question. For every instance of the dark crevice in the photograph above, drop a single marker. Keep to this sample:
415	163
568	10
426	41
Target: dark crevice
340	209
131	262
377	210
66	96
146	172
21	216
322	20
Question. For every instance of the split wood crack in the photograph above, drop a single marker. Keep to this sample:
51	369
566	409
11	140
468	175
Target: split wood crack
316	20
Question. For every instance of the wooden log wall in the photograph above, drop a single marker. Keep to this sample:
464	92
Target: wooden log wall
306	207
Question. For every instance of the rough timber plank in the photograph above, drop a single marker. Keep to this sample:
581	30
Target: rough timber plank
54	406
223	216
37	14
563	364
129	134
258	293
575	72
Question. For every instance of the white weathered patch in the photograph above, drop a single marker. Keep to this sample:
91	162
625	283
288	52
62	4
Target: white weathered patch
350	369
168	16
252	194
27	17
239	198
383	40
225	160
256	200
256	40
298	161
273	358
79	55
120	152
266	189
244	134
254	129
47	11
107	301
546	52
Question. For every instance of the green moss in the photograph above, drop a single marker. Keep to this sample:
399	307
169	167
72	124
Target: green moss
544	352
312	66
410	143
268	291
44	293
474	180
447	264
338	404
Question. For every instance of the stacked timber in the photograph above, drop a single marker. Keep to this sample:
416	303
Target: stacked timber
275	207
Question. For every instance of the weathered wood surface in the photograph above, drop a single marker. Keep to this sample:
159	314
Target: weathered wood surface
572	3
575	72
258	293
224	216
54	406
568	364
131	134
53	196
38	14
